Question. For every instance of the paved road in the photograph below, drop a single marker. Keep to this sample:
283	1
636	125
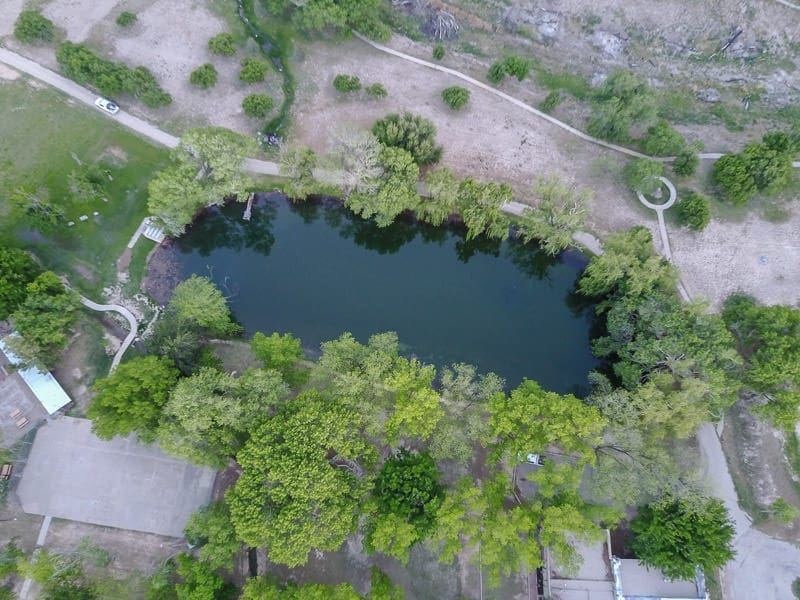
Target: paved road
132	323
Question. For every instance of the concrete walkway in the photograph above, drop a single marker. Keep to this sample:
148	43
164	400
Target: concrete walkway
132	323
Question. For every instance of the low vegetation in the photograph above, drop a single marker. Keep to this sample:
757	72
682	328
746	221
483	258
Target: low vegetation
376	91
640	175
455	97
253	70
619	103
126	19
346	84
204	76
32	27
513	65
257	106
110	78
222	44
412	133
693	211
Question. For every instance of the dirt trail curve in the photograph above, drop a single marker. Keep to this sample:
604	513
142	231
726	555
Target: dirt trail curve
134	326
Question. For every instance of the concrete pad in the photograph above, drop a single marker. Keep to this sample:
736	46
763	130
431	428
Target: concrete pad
72	474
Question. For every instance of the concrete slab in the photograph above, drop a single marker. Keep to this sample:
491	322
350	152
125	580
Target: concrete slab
17	402
71	474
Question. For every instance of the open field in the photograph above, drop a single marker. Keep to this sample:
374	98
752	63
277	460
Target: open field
49	137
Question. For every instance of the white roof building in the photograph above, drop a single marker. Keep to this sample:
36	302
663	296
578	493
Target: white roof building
44	386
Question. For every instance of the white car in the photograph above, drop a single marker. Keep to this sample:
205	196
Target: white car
106	105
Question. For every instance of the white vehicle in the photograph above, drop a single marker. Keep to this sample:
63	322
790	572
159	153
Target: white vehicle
531	459
106	105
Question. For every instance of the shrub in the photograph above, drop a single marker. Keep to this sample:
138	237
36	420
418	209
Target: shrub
126	19
455	97
622	100
550	101
497	72
663	140
222	44
517	66
731	175
376	90
204	77
438	52
253	71
346	83
686	162
83	66
640	175
257	105
413	133
693	211
769	163
33	27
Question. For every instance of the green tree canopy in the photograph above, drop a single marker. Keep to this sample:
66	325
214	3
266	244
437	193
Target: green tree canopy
442	200
199	301
561	211
314	15
31	27
279	352
678	534
298	163
619	103
640	175
264	588
43	321
17	270
733	178
412	133
480	205
211	528
132	397
663	140
209	415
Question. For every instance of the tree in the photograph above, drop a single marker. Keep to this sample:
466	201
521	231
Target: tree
480	205
33	208
397	189
407	492
198	300
358	153
208	416
126	19
412	133
206	170
31	27
416	405
253	70
132	397
223	44
663	140
197	581
620	102
640	175
455	97
17	270
43	321
264	588
770	162
769	338
531	419
676	535
442	200
346	84
211	528
693	211
301	483
686	162
733	178
204	76
257	105
315	15
298	163
559	214
280	353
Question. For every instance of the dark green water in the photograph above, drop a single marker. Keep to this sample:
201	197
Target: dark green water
315	270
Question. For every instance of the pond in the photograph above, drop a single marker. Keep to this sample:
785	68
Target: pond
316	270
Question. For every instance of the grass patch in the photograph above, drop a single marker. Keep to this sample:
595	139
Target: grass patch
571	83
42	138
138	265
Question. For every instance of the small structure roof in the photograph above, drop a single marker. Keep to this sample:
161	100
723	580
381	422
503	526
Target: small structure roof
43	385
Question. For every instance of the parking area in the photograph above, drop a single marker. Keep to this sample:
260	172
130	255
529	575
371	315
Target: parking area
72	474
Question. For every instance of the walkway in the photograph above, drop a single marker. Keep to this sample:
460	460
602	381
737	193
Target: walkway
132	323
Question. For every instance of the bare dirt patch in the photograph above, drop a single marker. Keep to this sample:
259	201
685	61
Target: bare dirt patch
8	73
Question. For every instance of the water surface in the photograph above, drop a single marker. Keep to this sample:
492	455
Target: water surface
316	270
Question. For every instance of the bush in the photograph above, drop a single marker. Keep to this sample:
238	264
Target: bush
257	105
376	90
693	211
204	77
552	100
346	83
126	19
640	175
497	72
438	52
663	140
731	175
518	67
85	67
222	44
686	162
253	71
413	133
455	97
33	27
622	101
